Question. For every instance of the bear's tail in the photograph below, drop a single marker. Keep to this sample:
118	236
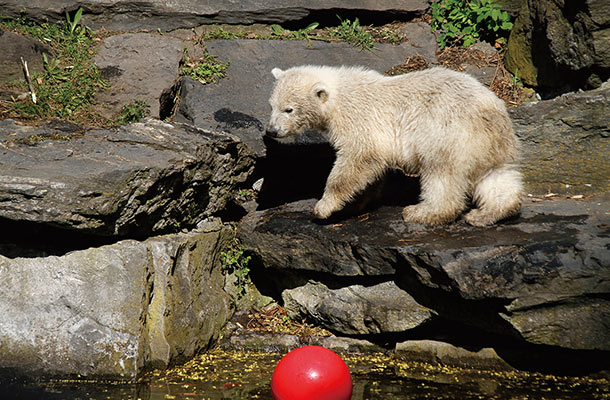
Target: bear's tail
498	195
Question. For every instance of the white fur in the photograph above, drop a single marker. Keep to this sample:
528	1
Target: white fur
439	123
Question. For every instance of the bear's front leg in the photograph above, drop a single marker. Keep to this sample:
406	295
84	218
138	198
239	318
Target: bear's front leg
349	176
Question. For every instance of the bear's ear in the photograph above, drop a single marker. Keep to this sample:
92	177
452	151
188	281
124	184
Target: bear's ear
321	92
277	73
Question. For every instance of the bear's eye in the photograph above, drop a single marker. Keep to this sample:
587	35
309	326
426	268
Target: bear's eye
288	110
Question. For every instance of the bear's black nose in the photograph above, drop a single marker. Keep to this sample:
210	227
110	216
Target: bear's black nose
271	131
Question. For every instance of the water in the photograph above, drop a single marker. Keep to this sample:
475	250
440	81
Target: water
247	375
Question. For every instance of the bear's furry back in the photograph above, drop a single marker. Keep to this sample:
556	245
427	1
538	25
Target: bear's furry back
415	110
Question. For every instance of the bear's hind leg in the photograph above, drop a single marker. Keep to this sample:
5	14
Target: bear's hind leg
498	195
443	198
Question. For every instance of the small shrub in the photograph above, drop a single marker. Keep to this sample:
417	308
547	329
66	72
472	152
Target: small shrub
234	262
465	21
354	33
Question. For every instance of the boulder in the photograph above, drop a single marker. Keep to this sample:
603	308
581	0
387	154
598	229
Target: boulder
217	106
137	66
566	143
561	46
381	308
435	352
542	278
132	181
151	15
115	310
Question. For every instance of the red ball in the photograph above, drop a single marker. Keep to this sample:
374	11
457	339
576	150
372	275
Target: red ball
311	372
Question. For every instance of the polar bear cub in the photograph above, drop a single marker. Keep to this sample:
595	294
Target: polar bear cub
441	124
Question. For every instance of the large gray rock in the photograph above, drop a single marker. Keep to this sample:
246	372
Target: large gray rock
114	310
219	107
137	66
356	309
543	278
434	352
153	14
136	180
566	143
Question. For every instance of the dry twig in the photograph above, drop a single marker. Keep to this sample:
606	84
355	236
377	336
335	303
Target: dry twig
26	73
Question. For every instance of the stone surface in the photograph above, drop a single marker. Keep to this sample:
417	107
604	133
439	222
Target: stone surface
137	66
13	47
509	280
153	14
566	143
219	107
434	352
136	180
560	46
114	310
356	309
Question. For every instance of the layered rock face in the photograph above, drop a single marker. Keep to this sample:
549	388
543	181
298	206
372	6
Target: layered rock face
541	279
141	179
113	310
72	305
560	46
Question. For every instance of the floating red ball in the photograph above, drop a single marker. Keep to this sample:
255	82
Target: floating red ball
311	373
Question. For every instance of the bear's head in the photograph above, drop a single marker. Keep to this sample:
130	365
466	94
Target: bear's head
299	102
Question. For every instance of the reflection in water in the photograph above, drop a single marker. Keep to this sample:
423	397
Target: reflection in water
247	375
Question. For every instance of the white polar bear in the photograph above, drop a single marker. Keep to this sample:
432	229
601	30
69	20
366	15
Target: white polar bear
444	125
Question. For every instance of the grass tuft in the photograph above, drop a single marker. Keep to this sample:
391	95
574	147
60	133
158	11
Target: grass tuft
67	86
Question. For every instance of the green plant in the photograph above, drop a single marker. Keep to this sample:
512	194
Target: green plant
72	24
67	86
465	21
78	32
302	34
234	261
206	69
133	112
52	69
354	33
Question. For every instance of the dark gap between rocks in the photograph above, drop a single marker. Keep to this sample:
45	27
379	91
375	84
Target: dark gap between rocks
29	240
482	314
271	282
298	170
169	100
519	355
328	17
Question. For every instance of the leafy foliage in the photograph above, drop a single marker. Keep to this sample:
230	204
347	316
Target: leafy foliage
465	21
206	69
234	262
